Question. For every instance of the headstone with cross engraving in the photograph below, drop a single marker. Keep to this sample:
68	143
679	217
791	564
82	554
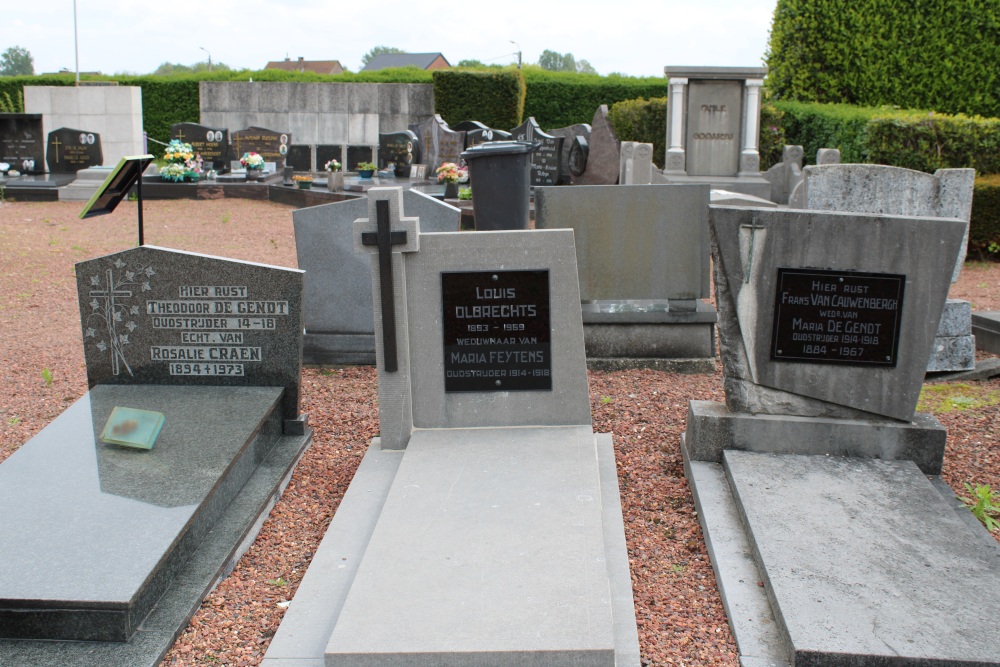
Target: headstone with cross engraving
211	143
71	150
547	160
489	399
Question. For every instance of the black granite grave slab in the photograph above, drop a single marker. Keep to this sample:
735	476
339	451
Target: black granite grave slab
270	144
358	154
92	534
22	143
300	157
211	143
400	148
327	152
547	161
156	316
69	151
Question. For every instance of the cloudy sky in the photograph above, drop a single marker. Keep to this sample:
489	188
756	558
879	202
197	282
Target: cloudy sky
634	37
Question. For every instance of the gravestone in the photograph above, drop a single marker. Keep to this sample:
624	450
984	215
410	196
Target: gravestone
438	142
643	259
327	152
487	473
272	146
22	143
337	303
826	321
713	127
213	346
785	175
828	156
894	190
603	152
358	154
546	161
300	157
482	135
574	164
402	149
71	150
636	163
211	143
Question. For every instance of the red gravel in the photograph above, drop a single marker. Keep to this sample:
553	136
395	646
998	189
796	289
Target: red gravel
680	615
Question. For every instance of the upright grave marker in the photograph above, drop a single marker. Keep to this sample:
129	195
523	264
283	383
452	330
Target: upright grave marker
272	146
401	149
211	143
72	150
438	142
22	142
546	162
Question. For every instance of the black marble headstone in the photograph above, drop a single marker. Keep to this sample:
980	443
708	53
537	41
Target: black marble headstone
211	143
575	135
272	146
482	135
357	154
547	161
400	148
327	152
69	151
300	157
579	151
156	316
22	143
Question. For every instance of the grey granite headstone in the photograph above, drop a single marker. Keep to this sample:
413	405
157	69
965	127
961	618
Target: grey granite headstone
438	143
636	163
785	175
603	153
575	135
828	156
337	307
713	127
853	257
157	316
546	161
211	143
71	150
634	242
270	144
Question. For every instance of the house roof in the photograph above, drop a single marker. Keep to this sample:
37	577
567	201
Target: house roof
302	65
421	60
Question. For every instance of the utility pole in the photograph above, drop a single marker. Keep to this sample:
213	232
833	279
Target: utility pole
518	53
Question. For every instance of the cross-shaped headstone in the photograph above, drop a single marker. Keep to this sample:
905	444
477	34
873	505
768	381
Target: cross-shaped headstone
393	234
384	238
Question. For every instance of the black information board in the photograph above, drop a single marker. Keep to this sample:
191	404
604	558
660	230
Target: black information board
496	331
837	317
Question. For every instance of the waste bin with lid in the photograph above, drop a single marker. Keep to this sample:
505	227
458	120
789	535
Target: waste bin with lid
500	173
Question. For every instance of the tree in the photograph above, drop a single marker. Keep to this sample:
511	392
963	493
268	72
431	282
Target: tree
559	62
172	69
377	51
16	61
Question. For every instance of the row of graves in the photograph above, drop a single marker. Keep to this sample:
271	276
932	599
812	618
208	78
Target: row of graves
484	524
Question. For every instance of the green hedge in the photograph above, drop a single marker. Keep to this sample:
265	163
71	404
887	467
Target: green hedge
920	140
642	120
918	54
984	229
560	99
494	97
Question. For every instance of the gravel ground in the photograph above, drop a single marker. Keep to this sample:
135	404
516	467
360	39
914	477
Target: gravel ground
680	615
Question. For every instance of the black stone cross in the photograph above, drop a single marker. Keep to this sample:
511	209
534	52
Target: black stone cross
384	238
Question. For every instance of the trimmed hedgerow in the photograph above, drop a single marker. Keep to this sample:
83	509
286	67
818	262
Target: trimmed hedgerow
493	97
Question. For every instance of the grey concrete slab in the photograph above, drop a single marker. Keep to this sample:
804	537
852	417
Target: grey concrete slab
678	341
337	294
306	627
481	525
986	327
713	428
750	618
864	563
634	241
688	366
751	244
984	370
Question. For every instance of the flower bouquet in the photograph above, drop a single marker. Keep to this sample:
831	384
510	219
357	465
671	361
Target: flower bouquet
183	164
253	162
449	172
332	165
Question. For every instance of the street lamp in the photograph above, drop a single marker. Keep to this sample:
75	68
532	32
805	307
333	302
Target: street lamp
209	57
518	53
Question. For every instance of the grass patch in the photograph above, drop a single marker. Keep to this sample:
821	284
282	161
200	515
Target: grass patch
948	397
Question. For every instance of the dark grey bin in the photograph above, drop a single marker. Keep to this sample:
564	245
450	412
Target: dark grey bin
500	173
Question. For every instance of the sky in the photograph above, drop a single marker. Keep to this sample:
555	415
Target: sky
633	37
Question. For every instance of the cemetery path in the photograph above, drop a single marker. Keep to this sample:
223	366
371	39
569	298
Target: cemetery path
678	609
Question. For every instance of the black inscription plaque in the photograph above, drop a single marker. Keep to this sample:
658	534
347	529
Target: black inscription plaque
496	331
211	143
546	162
837	317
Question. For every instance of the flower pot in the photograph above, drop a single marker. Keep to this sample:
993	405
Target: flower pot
451	190
304	185
253	174
335	181
366	173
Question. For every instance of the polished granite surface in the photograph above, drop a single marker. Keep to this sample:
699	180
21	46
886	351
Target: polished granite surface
84	524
